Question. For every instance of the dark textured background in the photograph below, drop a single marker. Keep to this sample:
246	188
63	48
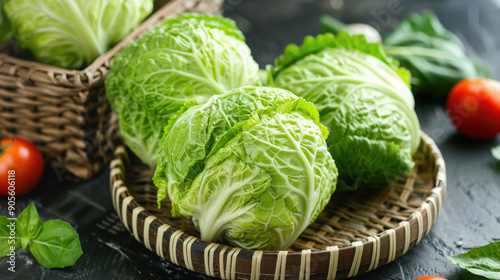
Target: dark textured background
471	210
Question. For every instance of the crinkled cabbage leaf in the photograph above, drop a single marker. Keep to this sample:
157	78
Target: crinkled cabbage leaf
185	60
364	100
250	167
71	34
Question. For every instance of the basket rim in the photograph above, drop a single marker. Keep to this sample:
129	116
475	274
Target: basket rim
128	208
100	61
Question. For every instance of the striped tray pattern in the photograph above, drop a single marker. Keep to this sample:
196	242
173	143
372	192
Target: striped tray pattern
356	233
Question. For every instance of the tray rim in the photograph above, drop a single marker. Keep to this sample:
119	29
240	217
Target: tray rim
411	231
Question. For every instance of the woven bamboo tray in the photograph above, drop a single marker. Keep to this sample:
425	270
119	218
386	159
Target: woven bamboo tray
65	113
356	233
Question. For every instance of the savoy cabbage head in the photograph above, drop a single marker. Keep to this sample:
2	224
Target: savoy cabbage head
250	167
364	100
71	34
184	60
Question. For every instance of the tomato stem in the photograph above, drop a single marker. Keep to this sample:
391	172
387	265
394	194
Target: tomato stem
3	148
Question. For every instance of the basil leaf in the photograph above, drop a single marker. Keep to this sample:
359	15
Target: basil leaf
57	245
28	225
484	261
495	151
5	241
435	56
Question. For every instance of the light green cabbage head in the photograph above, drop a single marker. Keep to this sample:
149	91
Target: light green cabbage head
184	60
250	167
71	34
364	100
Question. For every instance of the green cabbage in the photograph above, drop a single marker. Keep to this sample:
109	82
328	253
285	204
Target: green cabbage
250	167
71	34
185	60
364	100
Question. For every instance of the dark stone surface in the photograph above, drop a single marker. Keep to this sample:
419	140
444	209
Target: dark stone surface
471	210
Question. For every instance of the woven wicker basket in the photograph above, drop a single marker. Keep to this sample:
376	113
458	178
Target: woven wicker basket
356	233
65	113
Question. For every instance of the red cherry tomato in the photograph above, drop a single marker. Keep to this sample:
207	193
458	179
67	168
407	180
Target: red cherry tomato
21	166
431	278
474	108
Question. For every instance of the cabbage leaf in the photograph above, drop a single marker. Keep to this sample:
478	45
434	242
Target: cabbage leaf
250	167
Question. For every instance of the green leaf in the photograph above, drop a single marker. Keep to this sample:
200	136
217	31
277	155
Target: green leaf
376	163
483	261
495	151
5	241
434	55
28	225
57	245
231	186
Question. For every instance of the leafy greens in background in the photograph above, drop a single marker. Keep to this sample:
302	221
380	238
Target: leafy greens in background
435	56
363	98
71	34
185	60
331	25
250	167
54	243
484	260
